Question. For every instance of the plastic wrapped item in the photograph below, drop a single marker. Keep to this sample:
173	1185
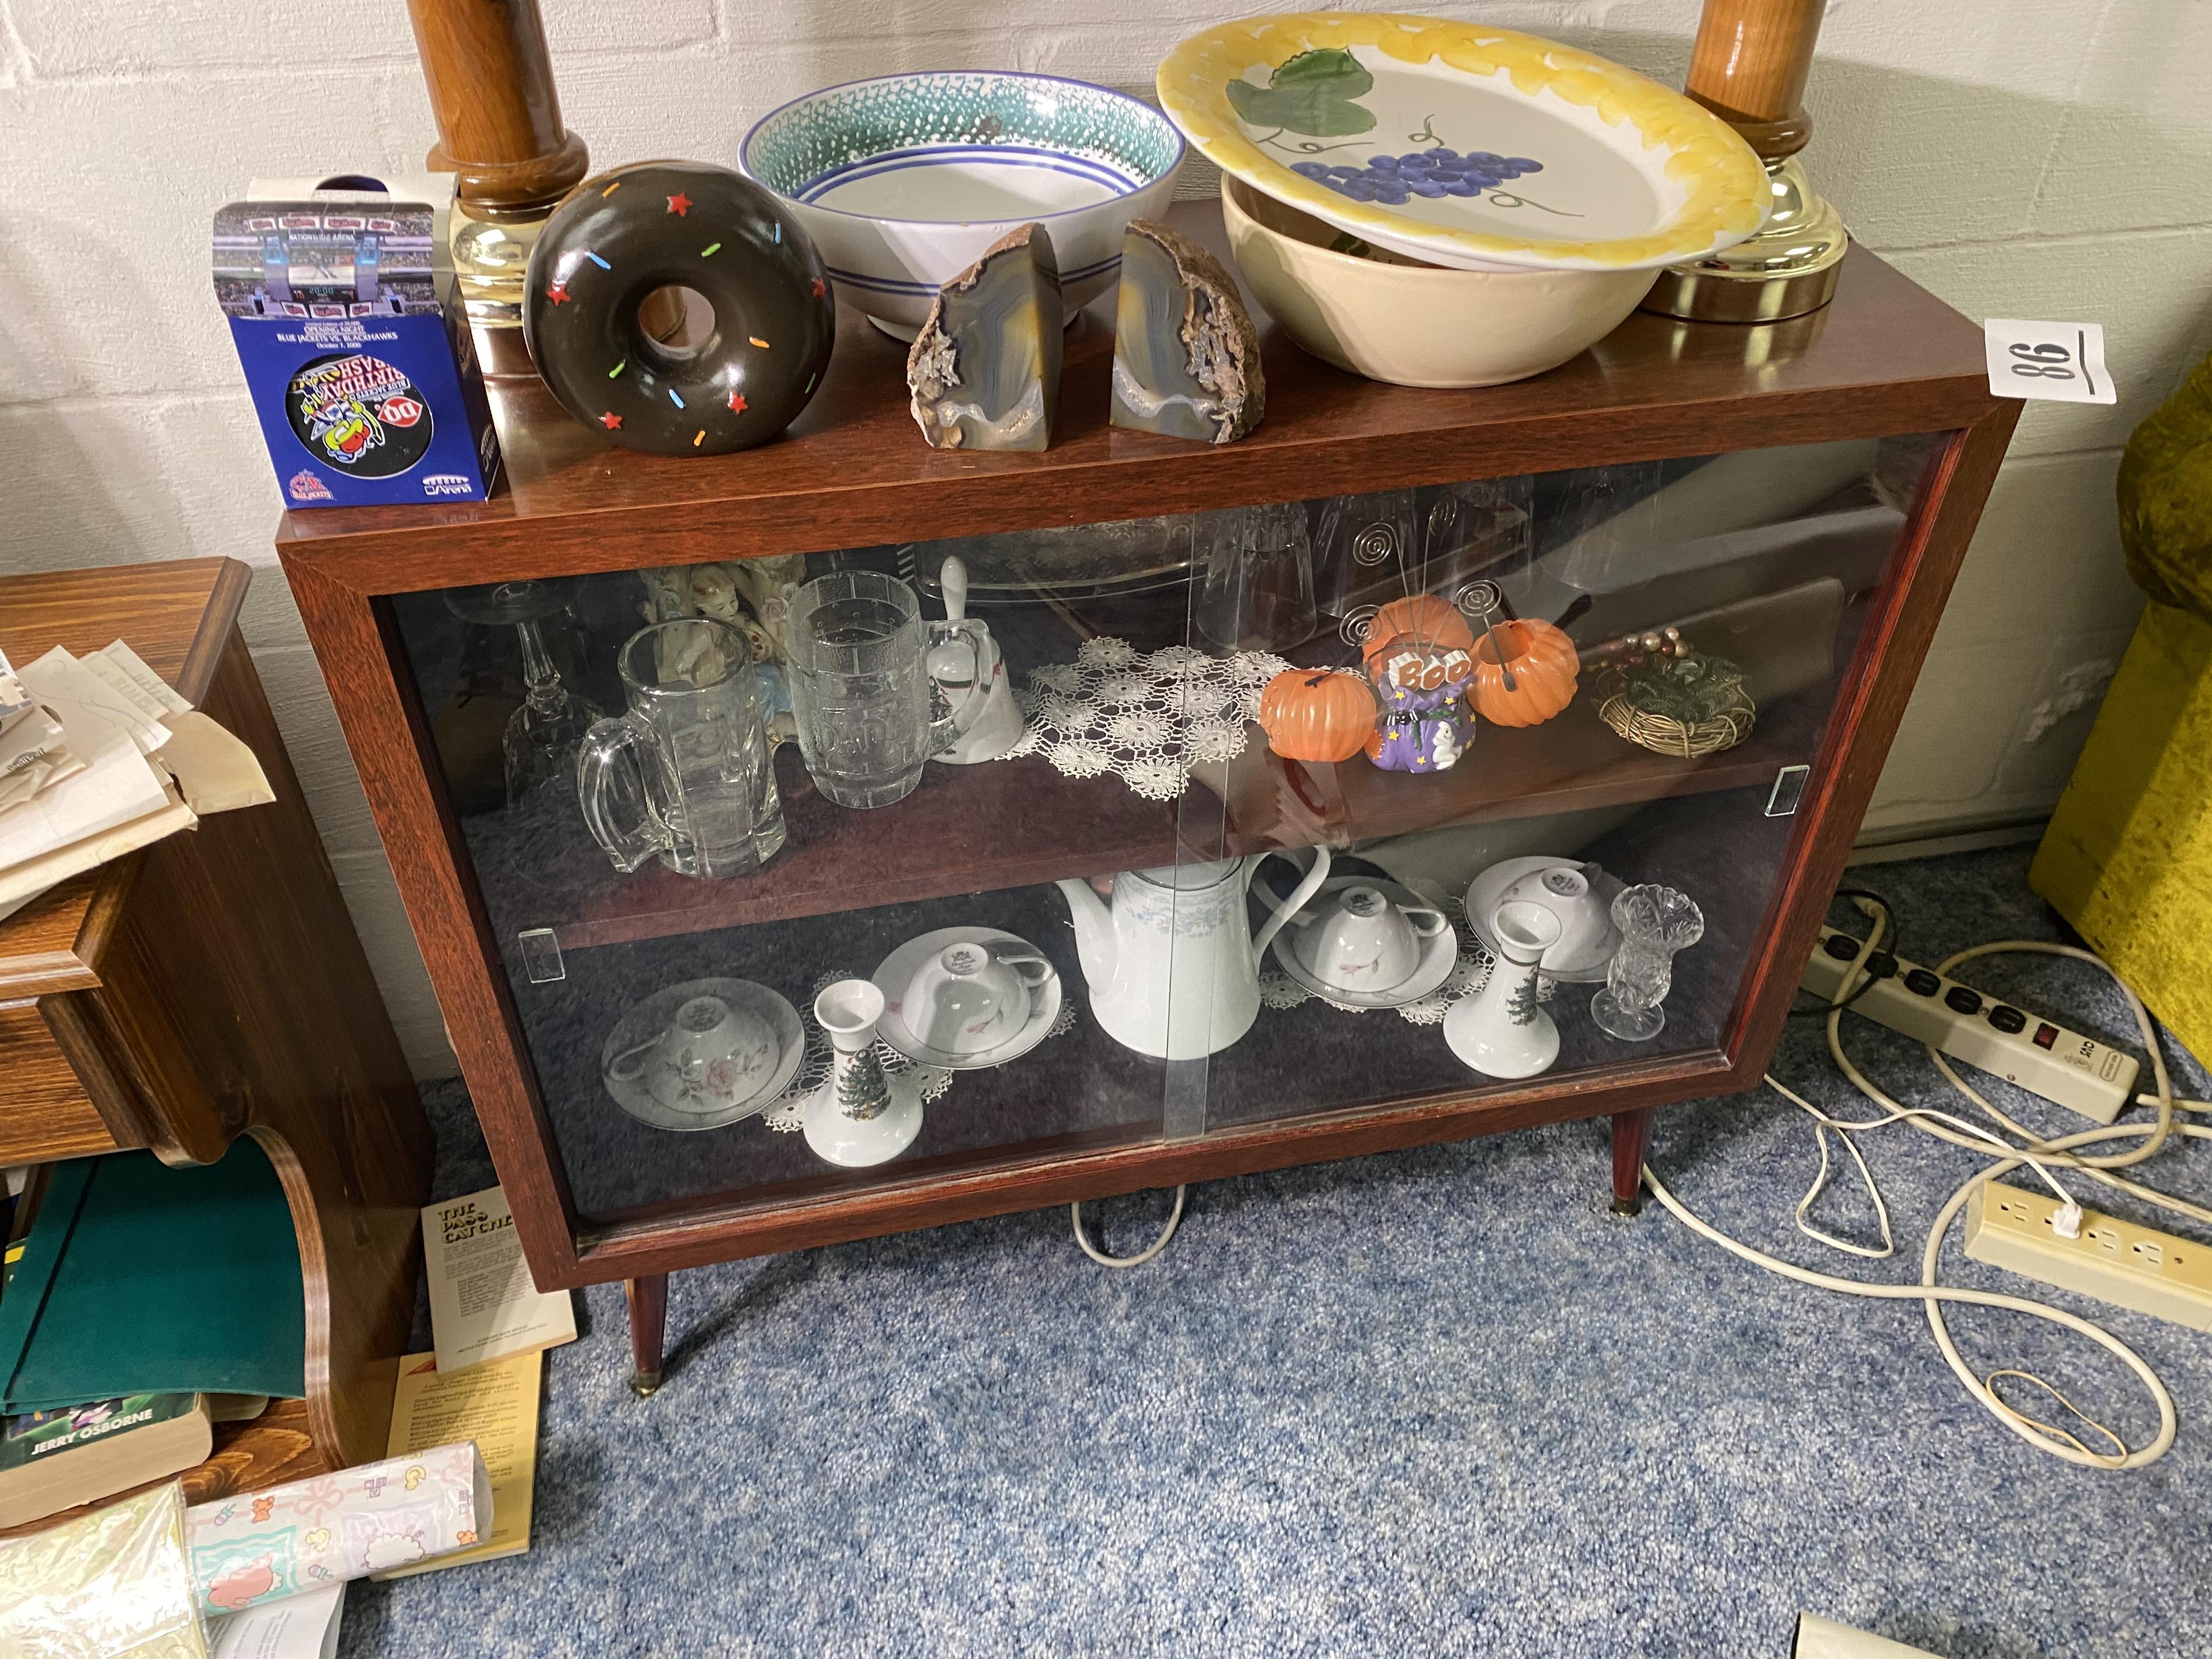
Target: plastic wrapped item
113	1585
308	1535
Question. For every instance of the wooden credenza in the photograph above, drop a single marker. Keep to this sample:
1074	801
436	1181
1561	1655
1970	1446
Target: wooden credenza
212	986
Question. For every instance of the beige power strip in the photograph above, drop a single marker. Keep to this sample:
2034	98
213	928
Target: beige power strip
2113	1260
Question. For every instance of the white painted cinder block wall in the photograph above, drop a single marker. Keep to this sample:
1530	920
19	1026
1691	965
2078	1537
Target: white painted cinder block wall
2022	158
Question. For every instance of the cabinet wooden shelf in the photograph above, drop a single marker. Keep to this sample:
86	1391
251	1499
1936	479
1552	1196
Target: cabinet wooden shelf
600	1197
1046	826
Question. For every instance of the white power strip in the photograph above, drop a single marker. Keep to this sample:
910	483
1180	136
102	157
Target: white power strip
2061	1066
2114	1260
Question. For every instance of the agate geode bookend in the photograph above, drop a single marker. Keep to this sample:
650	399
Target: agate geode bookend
985	369
1185	357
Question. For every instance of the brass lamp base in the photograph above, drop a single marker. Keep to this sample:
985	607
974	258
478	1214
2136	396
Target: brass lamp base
491	262
1787	270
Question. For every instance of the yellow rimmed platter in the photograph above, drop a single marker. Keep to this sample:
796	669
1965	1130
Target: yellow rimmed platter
1464	145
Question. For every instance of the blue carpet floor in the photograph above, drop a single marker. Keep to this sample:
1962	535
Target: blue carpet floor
1435	1402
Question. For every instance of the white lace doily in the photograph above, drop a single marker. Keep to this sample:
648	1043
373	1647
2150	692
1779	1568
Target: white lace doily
1148	719
787	1113
1468	975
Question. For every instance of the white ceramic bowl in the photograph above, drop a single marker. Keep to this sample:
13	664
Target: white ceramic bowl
905	181
1418	324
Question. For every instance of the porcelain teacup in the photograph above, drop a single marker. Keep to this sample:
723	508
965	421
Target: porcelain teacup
1356	939
712	1055
971	997
1587	937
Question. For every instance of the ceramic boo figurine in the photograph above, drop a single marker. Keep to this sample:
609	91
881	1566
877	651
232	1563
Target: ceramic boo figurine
1426	725
626	236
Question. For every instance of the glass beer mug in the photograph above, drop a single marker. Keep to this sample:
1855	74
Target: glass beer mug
690	763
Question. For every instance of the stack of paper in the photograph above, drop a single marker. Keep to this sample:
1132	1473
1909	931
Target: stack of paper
492	1325
98	757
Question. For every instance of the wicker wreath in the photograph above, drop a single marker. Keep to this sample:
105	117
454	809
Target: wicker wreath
1730	724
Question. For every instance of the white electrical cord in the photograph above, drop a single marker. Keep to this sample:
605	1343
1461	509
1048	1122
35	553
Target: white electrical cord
2036	1152
1174	1220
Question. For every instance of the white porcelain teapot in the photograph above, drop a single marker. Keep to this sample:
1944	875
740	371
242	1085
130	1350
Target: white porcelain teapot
1174	966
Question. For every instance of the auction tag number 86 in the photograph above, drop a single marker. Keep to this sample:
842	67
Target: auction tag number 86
2062	360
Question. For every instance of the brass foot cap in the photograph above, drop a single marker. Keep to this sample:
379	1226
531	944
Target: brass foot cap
1628	1208
644	1384
1706	296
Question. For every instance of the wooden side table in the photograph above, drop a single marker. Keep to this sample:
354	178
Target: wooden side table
211	986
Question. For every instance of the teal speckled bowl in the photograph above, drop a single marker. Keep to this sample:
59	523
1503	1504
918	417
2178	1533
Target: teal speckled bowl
903	181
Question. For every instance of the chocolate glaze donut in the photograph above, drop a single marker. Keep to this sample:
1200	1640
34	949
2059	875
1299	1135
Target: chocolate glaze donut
626	234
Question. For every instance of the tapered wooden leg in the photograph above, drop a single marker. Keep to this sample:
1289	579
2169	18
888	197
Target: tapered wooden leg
648	1325
1632	1139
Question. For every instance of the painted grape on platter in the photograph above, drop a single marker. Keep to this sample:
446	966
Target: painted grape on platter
1464	145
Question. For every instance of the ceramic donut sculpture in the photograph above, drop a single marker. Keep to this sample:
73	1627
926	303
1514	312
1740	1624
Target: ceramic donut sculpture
619	238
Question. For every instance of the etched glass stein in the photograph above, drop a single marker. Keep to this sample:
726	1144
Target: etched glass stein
1655	922
854	647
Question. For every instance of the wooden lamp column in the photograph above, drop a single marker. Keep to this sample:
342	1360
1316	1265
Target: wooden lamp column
1748	67
499	129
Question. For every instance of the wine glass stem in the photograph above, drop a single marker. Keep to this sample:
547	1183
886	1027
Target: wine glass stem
539	677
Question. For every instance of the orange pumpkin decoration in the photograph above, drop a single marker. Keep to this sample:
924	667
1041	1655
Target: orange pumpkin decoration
1424	618
1544	666
1316	713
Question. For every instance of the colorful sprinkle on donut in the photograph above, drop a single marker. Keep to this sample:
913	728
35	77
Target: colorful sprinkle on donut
597	261
818	289
673	398
618	369
557	293
611	421
680	205
610	190
757	341
710	250
737	403
700	439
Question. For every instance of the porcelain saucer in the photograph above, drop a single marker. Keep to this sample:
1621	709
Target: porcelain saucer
643	1022
898	972
1438	955
1484	892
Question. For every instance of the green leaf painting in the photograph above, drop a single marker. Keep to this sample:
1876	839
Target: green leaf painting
1312	93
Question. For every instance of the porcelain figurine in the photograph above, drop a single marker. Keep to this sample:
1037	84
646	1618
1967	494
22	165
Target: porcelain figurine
1174	966
862	1114
962	656
1502	1030
1426	725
